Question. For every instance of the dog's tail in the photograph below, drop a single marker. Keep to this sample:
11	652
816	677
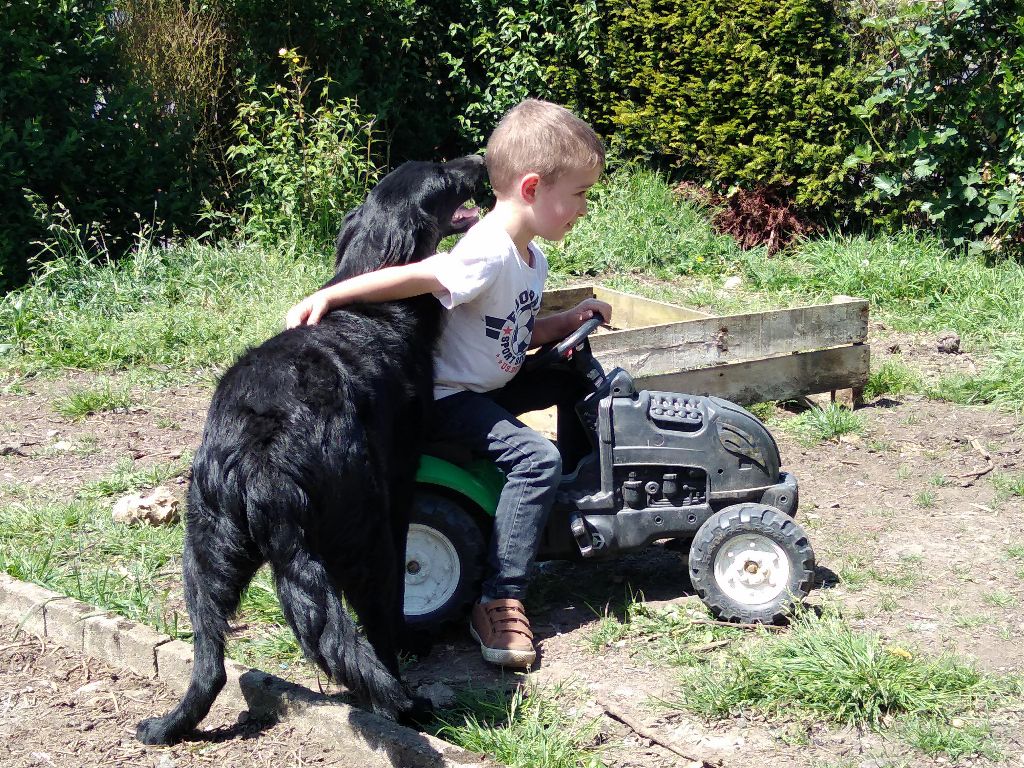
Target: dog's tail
311	603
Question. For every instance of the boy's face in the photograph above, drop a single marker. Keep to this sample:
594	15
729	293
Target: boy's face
558	204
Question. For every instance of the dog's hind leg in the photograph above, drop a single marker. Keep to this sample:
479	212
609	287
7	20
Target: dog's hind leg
329	636
219	561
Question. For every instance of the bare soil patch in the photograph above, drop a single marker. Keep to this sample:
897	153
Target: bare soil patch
912	533
62	710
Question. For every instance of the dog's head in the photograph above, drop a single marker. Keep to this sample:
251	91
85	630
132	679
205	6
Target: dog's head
406	215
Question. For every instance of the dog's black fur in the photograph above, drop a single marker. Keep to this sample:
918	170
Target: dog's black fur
308	458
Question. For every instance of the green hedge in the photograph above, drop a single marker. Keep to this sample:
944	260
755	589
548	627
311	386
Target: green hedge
745	92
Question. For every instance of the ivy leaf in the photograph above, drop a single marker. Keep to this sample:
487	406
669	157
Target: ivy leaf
924	167
887	185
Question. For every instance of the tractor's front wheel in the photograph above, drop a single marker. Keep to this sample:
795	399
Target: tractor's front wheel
444	563
751	563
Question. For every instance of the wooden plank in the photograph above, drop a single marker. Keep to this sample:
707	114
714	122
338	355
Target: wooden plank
561	299
776	378
692	344
630	311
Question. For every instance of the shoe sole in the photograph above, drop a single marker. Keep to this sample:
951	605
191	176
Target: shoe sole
504	658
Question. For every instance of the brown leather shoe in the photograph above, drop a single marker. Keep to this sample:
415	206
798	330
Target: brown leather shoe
503	631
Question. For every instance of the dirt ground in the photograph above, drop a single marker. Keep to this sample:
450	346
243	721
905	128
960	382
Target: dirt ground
62	710
909	514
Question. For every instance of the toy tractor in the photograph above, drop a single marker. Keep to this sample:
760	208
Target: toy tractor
700	470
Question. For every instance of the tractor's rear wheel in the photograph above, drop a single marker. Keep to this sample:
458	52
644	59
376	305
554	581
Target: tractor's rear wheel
444	563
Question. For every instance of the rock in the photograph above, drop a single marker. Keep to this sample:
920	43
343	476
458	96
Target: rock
439	694
948	343
158	508
733	283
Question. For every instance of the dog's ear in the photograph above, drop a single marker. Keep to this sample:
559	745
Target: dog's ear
345	235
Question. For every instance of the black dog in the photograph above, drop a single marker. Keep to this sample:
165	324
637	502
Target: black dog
308	458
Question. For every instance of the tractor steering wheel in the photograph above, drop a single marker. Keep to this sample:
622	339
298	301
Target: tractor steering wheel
554	351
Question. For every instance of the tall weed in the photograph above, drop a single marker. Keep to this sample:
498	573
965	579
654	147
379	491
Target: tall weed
304	158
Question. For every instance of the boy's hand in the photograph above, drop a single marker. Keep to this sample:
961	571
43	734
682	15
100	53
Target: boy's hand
586	310
307	312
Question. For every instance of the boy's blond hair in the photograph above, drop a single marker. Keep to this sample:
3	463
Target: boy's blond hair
539	137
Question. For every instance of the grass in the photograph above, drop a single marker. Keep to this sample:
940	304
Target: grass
892	377
681	635
522	729
954	738
96	399
194	306
824	669
183	308
1009	484
829	423
76	549
925	499
127	476
637	226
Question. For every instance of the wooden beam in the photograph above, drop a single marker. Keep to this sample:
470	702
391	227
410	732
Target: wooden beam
690	344
775	378
561	299
630	311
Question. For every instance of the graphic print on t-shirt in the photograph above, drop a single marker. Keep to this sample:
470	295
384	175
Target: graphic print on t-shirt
515	331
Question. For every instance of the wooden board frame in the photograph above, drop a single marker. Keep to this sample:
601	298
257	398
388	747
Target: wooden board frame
748	357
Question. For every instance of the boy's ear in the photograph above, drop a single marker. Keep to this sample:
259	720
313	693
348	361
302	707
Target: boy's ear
528	187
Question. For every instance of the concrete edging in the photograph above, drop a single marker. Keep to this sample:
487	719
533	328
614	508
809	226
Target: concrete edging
371	740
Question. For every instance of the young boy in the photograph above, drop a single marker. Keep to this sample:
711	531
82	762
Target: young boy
541	160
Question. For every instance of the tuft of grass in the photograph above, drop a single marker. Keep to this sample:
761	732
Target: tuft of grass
126	477
1009	484
96	399
925	499
824	668
1000	599
522	729
892	377
764	411
828	423
259	601
954	737
1000	383
267	647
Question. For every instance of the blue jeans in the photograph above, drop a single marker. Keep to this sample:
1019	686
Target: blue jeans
486	424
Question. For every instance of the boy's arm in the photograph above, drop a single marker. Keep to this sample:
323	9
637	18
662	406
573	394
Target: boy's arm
388	284
557	327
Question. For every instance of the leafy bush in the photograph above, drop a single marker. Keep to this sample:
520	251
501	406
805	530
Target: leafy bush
301	170
500	52
946	123
75	129
752	93
382	53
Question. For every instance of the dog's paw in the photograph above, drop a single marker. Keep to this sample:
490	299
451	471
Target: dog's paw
419	713
155	731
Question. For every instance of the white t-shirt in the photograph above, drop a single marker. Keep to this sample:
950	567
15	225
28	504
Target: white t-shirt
492	296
